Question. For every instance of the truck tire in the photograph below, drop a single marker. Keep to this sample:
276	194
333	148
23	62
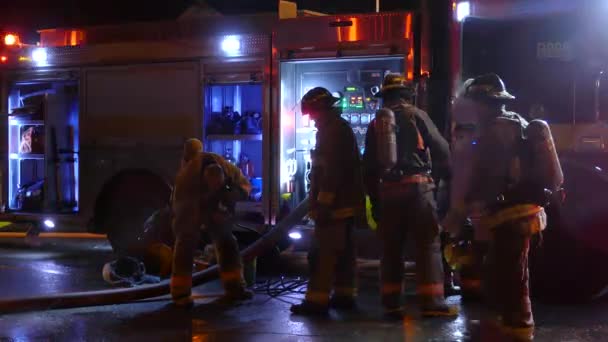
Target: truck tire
569	264
125	203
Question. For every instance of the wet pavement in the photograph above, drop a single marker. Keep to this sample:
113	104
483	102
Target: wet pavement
48	266
56	268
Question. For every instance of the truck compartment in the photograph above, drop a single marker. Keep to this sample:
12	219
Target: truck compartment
43	147
233	129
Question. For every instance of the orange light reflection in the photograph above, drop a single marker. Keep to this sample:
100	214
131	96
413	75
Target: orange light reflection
353	33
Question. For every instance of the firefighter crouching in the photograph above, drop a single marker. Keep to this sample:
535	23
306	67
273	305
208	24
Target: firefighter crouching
397	165
336	200
206	189
515	168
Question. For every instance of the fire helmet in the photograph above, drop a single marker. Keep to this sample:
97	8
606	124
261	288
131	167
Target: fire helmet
394	81
463	108
192	147
318	99
487	87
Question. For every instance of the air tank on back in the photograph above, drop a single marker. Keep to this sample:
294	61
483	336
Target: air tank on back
386	137
544	167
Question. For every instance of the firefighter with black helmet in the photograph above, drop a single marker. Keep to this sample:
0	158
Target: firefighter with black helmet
400	144
515	170
336	201
205	192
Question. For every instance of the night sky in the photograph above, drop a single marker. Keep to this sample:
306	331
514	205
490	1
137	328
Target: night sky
29	15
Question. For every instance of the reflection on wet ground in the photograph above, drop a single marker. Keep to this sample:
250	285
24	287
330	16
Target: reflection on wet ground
266	318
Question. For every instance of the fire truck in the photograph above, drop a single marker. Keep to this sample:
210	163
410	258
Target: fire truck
553	57
95	118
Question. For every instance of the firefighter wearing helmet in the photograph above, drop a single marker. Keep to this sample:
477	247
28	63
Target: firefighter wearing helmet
400	144
336	202
465	254
515	170
205	192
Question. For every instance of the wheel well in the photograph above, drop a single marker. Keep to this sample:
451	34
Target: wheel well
134	182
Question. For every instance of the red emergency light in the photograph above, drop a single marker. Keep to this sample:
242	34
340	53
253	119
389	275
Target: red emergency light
11	39
3	59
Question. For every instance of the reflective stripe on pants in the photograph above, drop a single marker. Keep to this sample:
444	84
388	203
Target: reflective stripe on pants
512	214
333	259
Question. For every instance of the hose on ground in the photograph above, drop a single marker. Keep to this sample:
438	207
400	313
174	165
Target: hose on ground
108	297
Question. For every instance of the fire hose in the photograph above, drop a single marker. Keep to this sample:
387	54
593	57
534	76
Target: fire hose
108	297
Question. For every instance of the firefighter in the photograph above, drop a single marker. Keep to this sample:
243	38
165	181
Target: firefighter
206	189
337	200
515	169
399	144
464	138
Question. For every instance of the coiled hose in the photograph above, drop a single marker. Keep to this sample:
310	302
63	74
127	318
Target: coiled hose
108	297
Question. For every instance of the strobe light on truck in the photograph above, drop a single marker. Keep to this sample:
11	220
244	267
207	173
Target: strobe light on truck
15	51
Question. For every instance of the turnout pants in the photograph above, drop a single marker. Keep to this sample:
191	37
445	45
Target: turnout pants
333	262
508	277
410	207
186	226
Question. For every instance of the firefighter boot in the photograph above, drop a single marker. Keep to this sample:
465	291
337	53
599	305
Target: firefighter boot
180	291
437	308
235	287
307	308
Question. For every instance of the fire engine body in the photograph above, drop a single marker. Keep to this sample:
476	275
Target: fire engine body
96	117
553	59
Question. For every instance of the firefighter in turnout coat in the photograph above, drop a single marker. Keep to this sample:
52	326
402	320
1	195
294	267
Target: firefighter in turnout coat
515	170
399	144
337	200
206	189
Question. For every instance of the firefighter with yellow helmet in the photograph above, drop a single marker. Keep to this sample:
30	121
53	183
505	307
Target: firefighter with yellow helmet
400	144
514	170
205	192
337	200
